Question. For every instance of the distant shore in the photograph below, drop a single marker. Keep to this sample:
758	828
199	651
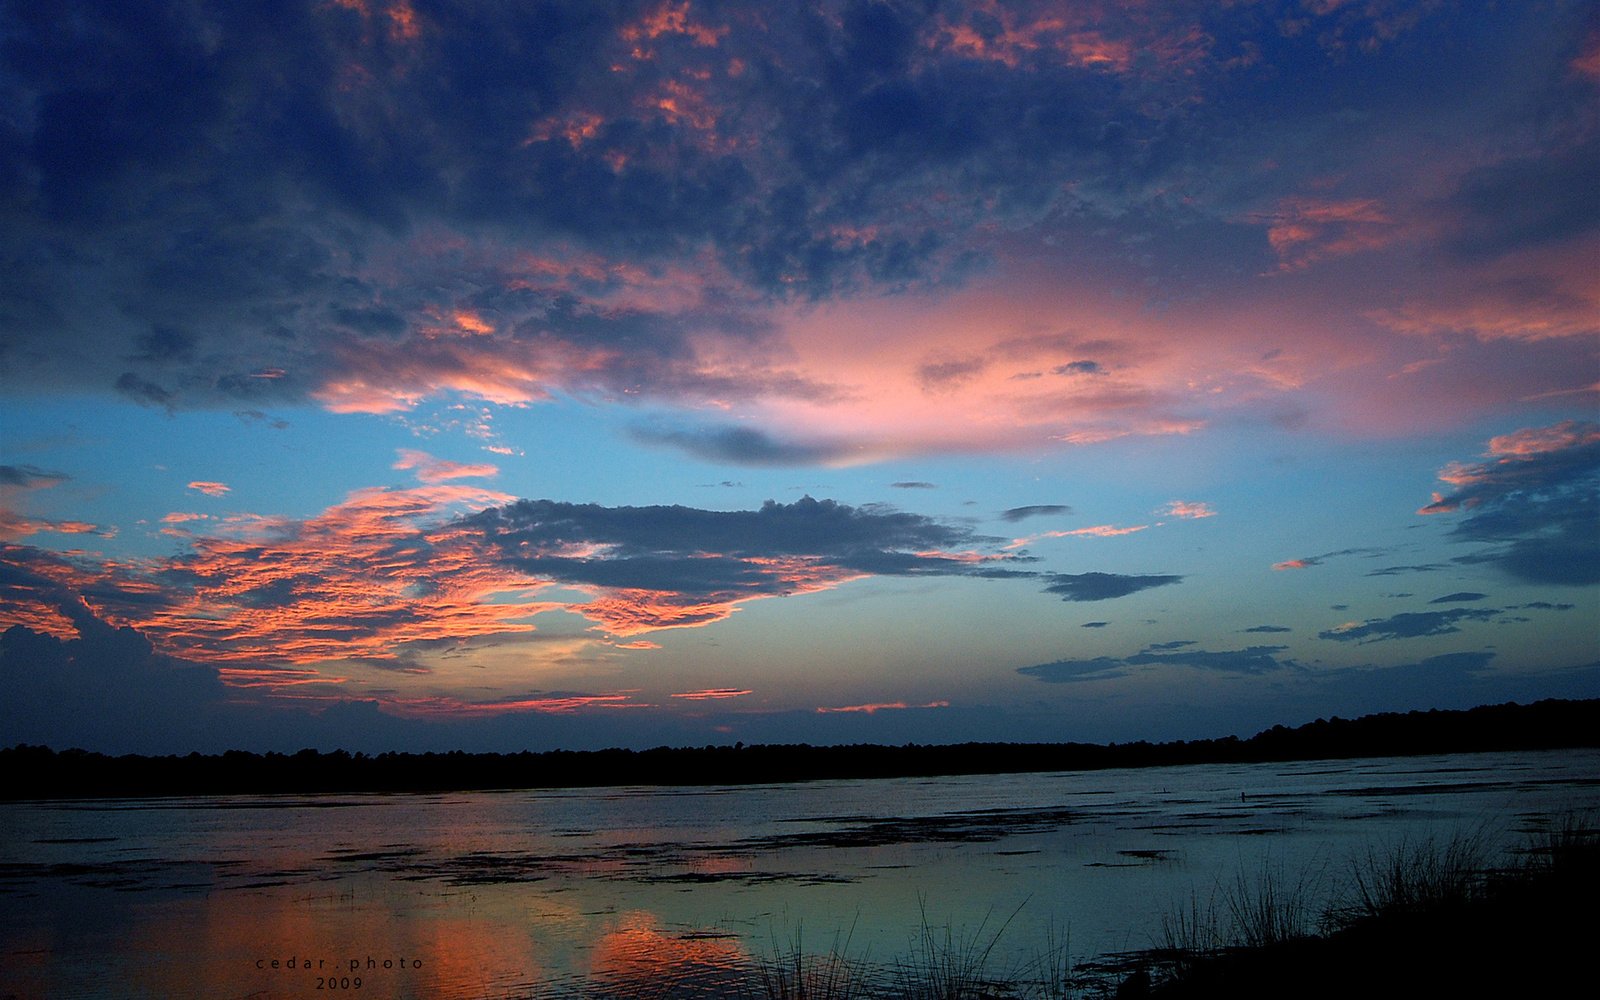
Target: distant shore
37	772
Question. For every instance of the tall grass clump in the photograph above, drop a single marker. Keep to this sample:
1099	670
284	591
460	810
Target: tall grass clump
1568	846
1267	907
951	966
1413	876
1191	931
789	973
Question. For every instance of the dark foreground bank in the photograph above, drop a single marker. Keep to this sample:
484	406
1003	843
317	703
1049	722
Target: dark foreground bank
29	772
1418	925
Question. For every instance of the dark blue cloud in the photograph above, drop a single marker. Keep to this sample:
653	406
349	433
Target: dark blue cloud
744	446
684	550
1536	500
1073	671
1252	660
914	485
1078	368
1408	625
1016	514
30	477
1269	628
1459	597
221	176
1102	586
1419	568
1531	200
105	688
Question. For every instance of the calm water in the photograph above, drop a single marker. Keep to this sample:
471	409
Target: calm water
672	891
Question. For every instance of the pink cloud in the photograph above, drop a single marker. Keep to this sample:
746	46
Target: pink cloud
435	470
712	694
1537	440
1188	508
210	489
1291	564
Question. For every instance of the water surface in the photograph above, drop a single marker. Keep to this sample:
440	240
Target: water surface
639	892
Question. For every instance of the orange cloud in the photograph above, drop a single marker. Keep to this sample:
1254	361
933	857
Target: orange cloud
210	489
1305	230
13	525
671	19
1188	508
446	707
877	706
1097	531
1291	564
381	569
712	693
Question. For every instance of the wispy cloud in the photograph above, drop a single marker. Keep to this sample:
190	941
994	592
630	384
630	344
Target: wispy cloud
210	489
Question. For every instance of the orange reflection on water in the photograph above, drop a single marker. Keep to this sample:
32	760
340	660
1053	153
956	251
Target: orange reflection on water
637	957
300	941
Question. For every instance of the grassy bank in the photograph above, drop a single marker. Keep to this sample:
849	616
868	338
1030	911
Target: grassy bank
1427	918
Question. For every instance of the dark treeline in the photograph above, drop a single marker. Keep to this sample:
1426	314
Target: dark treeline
36	772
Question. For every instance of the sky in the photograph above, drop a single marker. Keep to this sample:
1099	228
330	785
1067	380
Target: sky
390	374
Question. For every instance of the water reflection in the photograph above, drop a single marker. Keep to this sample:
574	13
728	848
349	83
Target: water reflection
673	892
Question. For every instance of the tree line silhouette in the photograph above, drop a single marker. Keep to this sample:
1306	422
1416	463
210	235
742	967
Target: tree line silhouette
37	772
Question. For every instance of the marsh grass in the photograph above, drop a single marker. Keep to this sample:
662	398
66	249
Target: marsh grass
942	964
1274	905
1568	845
1191	930
1267	907
953	966
1413	875
790	973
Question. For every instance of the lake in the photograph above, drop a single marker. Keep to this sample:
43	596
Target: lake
674	892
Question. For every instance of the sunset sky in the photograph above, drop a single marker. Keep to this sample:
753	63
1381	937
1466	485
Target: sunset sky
390	374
